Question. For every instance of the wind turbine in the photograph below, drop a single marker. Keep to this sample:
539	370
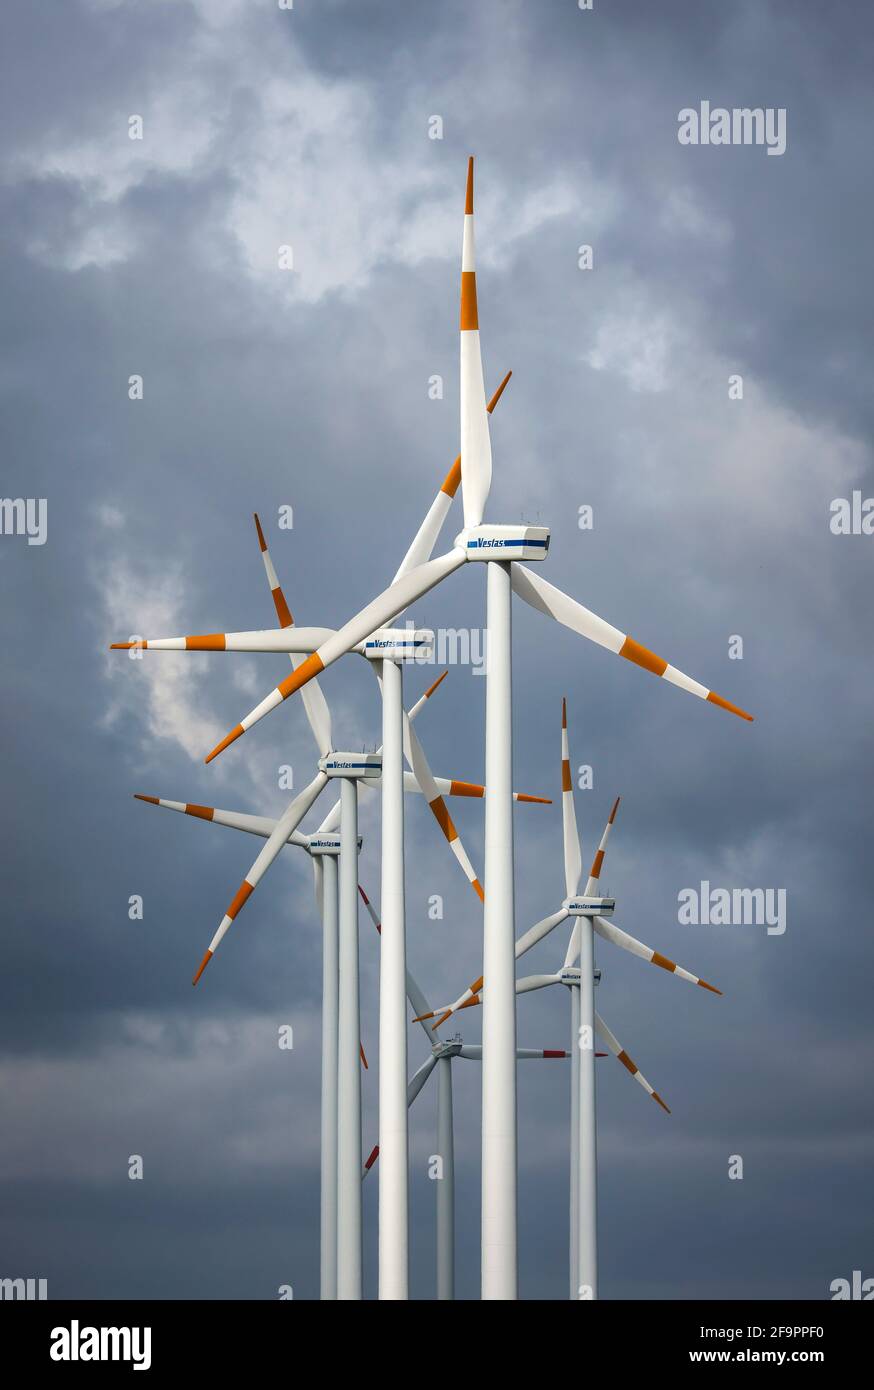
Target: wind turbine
443	1052
387	647
591	912
323	847
503	548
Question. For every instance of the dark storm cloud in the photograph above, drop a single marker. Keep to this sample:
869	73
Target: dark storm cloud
711	519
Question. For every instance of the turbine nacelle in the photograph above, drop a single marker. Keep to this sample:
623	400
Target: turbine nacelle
449	1047
353	765
570	975
321	843
584	906
504	542
399	644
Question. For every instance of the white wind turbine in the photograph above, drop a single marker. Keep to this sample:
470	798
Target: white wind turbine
389	648
503	547
590	912
442	1054
323	846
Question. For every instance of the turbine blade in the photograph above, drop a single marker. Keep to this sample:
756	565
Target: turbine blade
417	1081
539	931
618	1051
271	639
532	982
234	820
573	946
428	533
524	1052
573	858
547	599
611	932
452	786
476	448
315	704
423	699
415	756
598	861
377	613
288	821
415	994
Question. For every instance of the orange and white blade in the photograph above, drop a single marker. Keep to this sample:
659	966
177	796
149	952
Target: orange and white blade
546	598
476	448
415	756
428	533
315	704
573	859
234	820
619	1051
598	861
271	639
423	699
453	786
377	614
288	822
610	932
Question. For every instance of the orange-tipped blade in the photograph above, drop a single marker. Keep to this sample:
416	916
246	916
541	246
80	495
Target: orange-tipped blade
203	964
225	743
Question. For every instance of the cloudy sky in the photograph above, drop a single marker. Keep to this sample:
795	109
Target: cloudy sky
266	387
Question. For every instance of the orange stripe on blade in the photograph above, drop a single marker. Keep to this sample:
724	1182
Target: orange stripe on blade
627	1062
612	815
203	812
225	743
305	672
663	961
209	642
642	656
374	1155
540	800
712	988
595	871
363	1056
469	317
465	789
726	704
564	714
261	540
152	800
244	892
443	818
127	646
283	612
478	889
453	478
468	193
657	1097
566	783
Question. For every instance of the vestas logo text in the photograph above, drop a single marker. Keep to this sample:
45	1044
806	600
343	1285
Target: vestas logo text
75	1343
500	543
